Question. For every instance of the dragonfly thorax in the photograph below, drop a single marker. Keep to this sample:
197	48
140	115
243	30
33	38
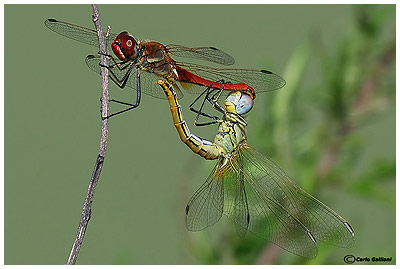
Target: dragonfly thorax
230	134
154	58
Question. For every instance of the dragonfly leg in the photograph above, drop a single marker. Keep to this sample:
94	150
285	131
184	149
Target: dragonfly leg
214	100
104	54
115	63
121	66
215	97
121	83
208	91
200	112
197	124
126	77
131	106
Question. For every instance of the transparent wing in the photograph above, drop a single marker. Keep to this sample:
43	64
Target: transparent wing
147	79
206	206
248	205
240	213
76	32
210	54
272	184
89	36
259	80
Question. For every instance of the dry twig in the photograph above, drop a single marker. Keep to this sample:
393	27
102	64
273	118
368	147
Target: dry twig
86	212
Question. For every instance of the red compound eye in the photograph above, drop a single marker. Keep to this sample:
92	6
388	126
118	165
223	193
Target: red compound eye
124	46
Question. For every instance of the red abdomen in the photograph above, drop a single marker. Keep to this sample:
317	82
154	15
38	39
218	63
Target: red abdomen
188	77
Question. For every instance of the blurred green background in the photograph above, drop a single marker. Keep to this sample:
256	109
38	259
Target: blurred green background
332	129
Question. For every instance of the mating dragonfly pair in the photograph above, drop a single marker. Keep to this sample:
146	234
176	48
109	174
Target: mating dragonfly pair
244	185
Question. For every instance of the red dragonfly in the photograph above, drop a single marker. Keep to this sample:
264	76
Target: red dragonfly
151	60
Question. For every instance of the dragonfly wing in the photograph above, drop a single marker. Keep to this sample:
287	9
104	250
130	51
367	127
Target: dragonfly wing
206	206
324	223
149	87
147	79
259	80
76	32
266	217
210	54
235	200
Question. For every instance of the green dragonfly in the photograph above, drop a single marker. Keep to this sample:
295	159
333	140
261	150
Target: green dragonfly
252	190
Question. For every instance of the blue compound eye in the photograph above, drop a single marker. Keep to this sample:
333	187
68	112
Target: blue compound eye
244	105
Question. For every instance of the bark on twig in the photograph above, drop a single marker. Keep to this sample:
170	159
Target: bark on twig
86	212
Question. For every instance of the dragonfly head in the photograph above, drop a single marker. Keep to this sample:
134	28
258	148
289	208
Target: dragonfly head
125	46
238	103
